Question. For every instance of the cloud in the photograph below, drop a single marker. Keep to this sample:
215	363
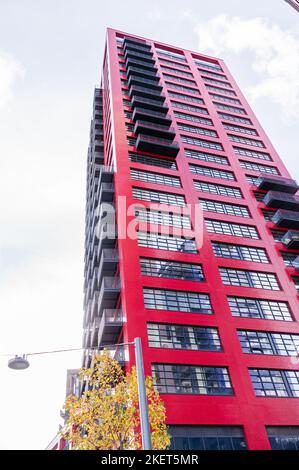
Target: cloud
10	71
274	53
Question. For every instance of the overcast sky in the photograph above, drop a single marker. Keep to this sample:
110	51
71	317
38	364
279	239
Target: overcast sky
50	60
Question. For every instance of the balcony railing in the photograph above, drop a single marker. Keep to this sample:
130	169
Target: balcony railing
157	145
137	42
134	47
145	82
141	113
130	62
109	293
139	101
110	326
148	57
281	200
105	192
136	90
277	183
288	219
142	73
146	127
291	240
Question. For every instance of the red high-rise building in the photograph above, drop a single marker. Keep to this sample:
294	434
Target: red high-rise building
218	314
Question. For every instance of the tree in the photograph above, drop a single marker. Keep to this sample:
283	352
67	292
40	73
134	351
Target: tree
106	416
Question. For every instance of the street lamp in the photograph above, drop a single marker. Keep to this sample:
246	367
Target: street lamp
20	362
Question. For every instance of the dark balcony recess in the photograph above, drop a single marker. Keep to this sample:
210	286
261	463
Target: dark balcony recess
296	264
136	90
288	219
110	326
106	192
139	72
130	62
147	103
152	116
291	240
277	183
105	174
144	82
109	293
281	200
135	48
146	143
108	263
129	54
158	130
136	42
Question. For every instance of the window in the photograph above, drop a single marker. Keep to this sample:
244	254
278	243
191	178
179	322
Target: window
258	308
201	143
226	228
172	55
129	127
251	179
159	197
264	342
245	253
197	130
259	196
176	71
216	82
223	208
219	90
289	259
208	157
172	336
232	109
215	75
166	242
229	117
179	96
277	235
207	438
243	140
171	269
260	168
192	380
211	172
131	141
275	383
155	178
225	99
192	91
208	65
163	218
188	107
242	130
152	161
177	301
128	114
267	214
218	189
190	117
242	278
179	79
283	437
252	154
173	64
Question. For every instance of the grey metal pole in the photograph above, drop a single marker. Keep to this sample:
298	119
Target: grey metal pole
143	406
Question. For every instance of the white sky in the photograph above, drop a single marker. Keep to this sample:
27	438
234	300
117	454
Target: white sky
50	60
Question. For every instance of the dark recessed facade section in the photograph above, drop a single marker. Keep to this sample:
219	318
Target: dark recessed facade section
144	92
147	143
157	130
144	82
135	42
281	200
140	72
138	50
108	294
296	264
288	219
291	240
110	326
140	113
140	101
277	183
133	55
130	62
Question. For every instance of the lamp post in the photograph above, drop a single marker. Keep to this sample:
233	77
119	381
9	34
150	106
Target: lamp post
20	362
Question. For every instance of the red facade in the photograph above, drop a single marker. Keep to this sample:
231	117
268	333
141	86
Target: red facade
196	88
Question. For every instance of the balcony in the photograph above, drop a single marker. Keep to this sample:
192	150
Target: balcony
277	183
288	219
291	240
146	103
158	130
140	72
108	263
106	174
152	85
143	114
110	326
106	192
132	54
281	200
157	145
130	62
109	293
135	48
136	42
136	90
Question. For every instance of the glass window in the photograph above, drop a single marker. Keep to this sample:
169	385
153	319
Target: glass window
152	161
172	300
225	99
241	130
207	438
218	189
171	269
223	208
232	109
227	228
258	308
242	278
188	107
243	140
180	96
163	218
275	383
191	117
245	253
252	153
212	172
201	143
206	157
158	196
155	178
283	437
265	342
197	130
166	242
259	168
229	117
